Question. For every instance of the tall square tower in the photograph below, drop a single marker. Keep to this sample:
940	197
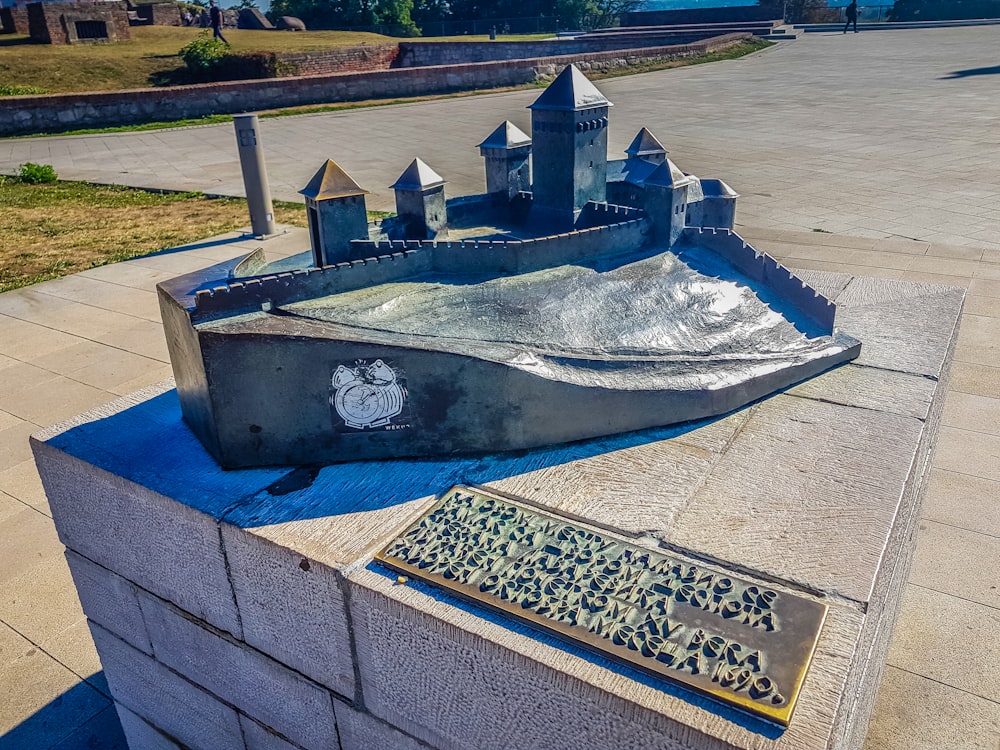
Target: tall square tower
569	131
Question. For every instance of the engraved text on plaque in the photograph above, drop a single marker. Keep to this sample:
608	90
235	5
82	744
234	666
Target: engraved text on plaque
740	641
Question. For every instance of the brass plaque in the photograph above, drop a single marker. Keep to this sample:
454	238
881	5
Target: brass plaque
737	640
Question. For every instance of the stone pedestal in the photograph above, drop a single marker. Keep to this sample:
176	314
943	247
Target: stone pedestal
242	609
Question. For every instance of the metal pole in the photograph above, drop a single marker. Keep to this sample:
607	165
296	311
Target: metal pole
254	175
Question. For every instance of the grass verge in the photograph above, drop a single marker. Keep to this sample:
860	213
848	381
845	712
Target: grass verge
150	55
60	228
739	50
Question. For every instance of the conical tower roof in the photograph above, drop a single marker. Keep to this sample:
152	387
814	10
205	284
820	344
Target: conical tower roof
668	174
331	181
570	91
418	176
507	135
645	144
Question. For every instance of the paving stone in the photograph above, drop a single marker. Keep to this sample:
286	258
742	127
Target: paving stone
22	340
978	341
142	337
981	380
21	481
51	702
985	287
97	365
103	731
109	296
921	714
988	307
967	452
963	501
971	412
14	442
947	559
13	645
31	542
930	626
56	399
74	648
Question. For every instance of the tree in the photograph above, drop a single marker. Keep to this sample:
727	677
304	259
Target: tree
609	12
328	14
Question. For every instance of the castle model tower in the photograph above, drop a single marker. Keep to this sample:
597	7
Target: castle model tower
666	193
506	151
420	202
335	206
569	130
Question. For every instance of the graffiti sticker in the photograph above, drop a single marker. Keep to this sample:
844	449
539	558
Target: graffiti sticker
369	396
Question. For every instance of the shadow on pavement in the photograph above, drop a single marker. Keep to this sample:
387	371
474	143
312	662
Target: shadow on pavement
79	719
973	72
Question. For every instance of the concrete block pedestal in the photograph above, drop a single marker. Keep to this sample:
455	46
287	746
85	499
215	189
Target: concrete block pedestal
243	610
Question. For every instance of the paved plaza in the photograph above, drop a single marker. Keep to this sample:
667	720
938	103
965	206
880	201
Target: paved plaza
875	154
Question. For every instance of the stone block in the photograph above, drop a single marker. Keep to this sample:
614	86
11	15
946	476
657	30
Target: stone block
181	710
904	326
109	600
456	676
259	737
361	731
268	691
142	735
155	526
164	546
291	608
800	519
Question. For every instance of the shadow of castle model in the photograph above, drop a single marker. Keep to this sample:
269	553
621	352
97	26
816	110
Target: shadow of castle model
578	297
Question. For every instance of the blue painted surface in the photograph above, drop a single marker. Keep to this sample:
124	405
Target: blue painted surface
150	445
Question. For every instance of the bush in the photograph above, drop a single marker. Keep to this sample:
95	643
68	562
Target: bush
203	54
208	59
34	174
7	89
244	65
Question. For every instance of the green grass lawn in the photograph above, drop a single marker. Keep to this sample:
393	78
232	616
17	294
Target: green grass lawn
151	52
54	229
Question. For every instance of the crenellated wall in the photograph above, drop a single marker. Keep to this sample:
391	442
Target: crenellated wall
390	261
764	269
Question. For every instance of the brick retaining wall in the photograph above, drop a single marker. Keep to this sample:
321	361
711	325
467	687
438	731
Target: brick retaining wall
417	54
364	58
38	114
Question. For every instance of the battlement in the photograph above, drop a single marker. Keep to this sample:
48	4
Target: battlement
396	260
764	269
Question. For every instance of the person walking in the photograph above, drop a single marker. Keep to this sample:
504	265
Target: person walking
215	16
852	16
